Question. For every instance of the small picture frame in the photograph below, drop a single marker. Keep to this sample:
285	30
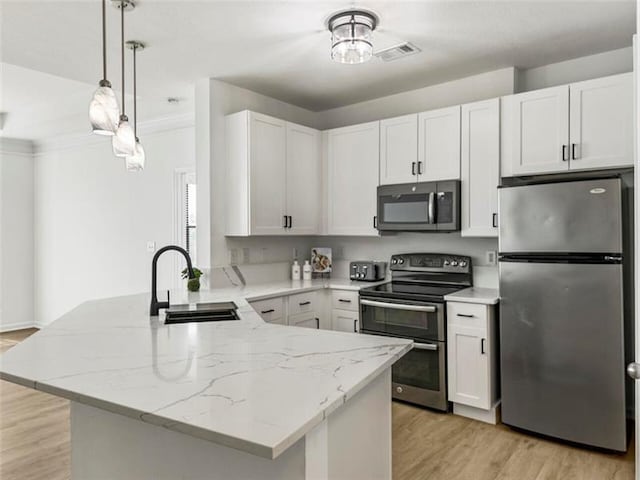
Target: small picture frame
321	261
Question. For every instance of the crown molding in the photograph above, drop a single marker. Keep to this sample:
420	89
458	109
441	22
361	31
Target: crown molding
16	146
148	127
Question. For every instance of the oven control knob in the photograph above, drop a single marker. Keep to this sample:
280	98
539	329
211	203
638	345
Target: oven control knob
454	263
401	261
399	389
446	263
463	263
394	260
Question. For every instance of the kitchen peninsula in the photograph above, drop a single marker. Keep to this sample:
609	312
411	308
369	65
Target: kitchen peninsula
219	400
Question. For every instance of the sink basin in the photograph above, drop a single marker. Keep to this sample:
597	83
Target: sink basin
202	312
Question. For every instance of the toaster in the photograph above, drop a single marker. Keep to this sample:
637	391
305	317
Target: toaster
367	271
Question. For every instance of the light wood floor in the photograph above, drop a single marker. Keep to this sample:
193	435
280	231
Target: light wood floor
34	444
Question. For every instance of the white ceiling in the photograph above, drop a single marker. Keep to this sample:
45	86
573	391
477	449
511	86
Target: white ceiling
281	48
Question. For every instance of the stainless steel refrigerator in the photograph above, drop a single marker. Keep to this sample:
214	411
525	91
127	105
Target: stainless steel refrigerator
562	310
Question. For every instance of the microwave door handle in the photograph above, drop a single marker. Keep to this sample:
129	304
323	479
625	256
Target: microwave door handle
432	208
425	346
397	306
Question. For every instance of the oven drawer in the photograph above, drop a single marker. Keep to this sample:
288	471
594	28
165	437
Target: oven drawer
344	300
467	314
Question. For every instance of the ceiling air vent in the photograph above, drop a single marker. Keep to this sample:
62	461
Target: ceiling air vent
397	51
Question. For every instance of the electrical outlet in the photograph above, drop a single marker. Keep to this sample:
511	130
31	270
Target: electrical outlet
246	255
295	253
234	257
490	257
151	246
339	253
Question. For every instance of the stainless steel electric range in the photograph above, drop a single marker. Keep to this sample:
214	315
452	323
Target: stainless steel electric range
412	306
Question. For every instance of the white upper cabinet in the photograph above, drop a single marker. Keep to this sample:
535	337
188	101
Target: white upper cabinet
272	176
540	129
582	126
399	150
352	178
480	168
601	122
439	144
304	179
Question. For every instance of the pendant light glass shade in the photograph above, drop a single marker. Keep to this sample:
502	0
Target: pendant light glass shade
104	111
124	141
351	36
135	162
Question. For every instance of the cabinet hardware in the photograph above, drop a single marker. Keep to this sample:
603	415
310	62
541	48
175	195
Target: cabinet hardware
375	221
465	315
317	323
482	340
355	325
494	220
419	168
290	221
565	157
344	300
268	311
285	221
573	151
302	304
413	168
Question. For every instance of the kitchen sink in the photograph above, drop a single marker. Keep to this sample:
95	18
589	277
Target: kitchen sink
202	312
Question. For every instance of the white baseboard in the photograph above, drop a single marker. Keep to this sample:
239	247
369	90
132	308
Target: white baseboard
10	327
491	416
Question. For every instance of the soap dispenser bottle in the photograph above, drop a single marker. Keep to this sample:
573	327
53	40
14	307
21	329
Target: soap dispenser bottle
295	270
306	271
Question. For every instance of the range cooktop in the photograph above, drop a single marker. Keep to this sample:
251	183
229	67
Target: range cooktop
409	291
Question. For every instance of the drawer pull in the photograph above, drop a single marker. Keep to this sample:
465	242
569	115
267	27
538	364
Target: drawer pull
317	323
482	350
343	300
465	315
355	325
268	311
302	304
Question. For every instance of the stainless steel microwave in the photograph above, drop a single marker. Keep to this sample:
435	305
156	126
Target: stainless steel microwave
419	207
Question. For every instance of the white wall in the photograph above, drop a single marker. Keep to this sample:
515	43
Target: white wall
16	234
575	70
93	219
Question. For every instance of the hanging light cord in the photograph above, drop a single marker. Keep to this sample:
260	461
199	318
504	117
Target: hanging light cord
104	40
135	95
122	5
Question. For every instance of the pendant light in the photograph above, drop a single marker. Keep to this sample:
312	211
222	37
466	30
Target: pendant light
351	36
103	109
124	140
135	162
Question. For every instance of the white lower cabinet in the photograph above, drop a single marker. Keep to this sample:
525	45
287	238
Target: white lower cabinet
472	360
307	320
345	321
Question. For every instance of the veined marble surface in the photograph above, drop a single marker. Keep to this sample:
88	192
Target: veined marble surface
485	296
246	384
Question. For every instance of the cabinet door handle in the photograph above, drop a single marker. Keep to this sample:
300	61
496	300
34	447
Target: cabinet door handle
573	151
565	156
355	325
317	323
268	311
285	221
482	340
413	168
375	221
344	300
494	220
302	304
419	168
290	221
465	315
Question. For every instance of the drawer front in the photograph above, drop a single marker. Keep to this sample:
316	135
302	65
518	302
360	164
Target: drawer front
302	303
270	310
344	300
467	314
306	320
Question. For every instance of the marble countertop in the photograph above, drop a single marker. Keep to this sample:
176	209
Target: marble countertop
246	384
486	296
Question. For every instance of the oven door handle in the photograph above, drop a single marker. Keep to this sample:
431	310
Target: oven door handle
426	346
397	306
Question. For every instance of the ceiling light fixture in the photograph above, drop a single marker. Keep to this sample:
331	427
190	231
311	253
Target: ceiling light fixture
103	109
135	162
351	36
124	140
